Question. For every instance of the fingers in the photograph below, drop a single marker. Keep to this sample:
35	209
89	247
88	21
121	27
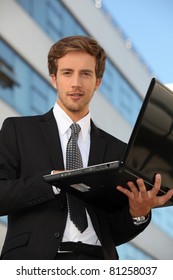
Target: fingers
125	191
157	184
161	200
133	191
57	171
141	200
155	189
164	198
141	188
141	194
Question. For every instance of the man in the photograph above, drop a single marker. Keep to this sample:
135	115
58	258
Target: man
39	224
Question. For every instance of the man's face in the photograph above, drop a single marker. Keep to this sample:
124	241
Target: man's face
75	83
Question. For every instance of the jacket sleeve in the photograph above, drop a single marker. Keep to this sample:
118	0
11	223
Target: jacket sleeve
122	227
18	192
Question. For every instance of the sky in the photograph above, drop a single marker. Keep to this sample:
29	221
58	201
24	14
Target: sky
149	25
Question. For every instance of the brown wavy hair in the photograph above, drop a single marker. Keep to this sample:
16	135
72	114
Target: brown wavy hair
77	43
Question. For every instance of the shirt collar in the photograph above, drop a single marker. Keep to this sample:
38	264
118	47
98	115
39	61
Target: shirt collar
64	121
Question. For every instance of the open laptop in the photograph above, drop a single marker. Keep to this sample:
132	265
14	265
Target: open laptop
149	151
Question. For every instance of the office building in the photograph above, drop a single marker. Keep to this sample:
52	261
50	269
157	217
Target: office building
27	30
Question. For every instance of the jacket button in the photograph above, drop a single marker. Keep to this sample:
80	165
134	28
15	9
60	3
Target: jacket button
57	234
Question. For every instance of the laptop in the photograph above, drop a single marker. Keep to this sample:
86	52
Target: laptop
149	151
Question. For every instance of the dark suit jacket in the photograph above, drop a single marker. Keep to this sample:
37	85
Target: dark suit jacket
29	148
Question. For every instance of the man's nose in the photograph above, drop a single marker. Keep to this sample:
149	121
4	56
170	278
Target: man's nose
76	80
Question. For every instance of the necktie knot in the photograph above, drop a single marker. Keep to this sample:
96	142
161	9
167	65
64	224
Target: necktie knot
73	155
75	129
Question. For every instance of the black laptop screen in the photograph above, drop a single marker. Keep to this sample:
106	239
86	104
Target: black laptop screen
150	148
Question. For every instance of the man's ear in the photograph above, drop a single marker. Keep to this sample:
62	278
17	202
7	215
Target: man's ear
98	82
53	80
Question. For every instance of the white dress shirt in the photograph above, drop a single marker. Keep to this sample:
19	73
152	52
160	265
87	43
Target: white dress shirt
64	122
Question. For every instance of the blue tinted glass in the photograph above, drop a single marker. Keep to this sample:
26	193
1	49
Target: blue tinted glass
130	252
3	219
57	21
117	90
33	94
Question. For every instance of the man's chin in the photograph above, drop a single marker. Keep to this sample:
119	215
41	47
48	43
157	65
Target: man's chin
74	109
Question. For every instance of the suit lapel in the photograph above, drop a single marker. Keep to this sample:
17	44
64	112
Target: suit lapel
97	147
50	131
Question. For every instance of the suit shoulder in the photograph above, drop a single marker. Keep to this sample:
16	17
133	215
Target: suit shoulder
110	137
29	119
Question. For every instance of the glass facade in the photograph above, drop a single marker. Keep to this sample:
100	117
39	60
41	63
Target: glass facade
57	22
130	252
33	95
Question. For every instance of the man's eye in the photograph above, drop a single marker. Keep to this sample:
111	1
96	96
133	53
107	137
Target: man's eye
86	74
67	73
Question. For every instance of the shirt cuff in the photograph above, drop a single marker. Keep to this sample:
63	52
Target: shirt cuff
55	189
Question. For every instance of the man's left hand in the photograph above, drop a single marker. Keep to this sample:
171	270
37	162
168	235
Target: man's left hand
141	200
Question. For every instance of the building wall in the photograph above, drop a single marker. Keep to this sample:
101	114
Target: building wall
98	26
25	48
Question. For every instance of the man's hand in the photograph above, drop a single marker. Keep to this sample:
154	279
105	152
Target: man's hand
142	201
57	171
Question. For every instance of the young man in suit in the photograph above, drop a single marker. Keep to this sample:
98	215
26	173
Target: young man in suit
39	224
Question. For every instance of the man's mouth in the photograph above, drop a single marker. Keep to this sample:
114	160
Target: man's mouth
75	94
